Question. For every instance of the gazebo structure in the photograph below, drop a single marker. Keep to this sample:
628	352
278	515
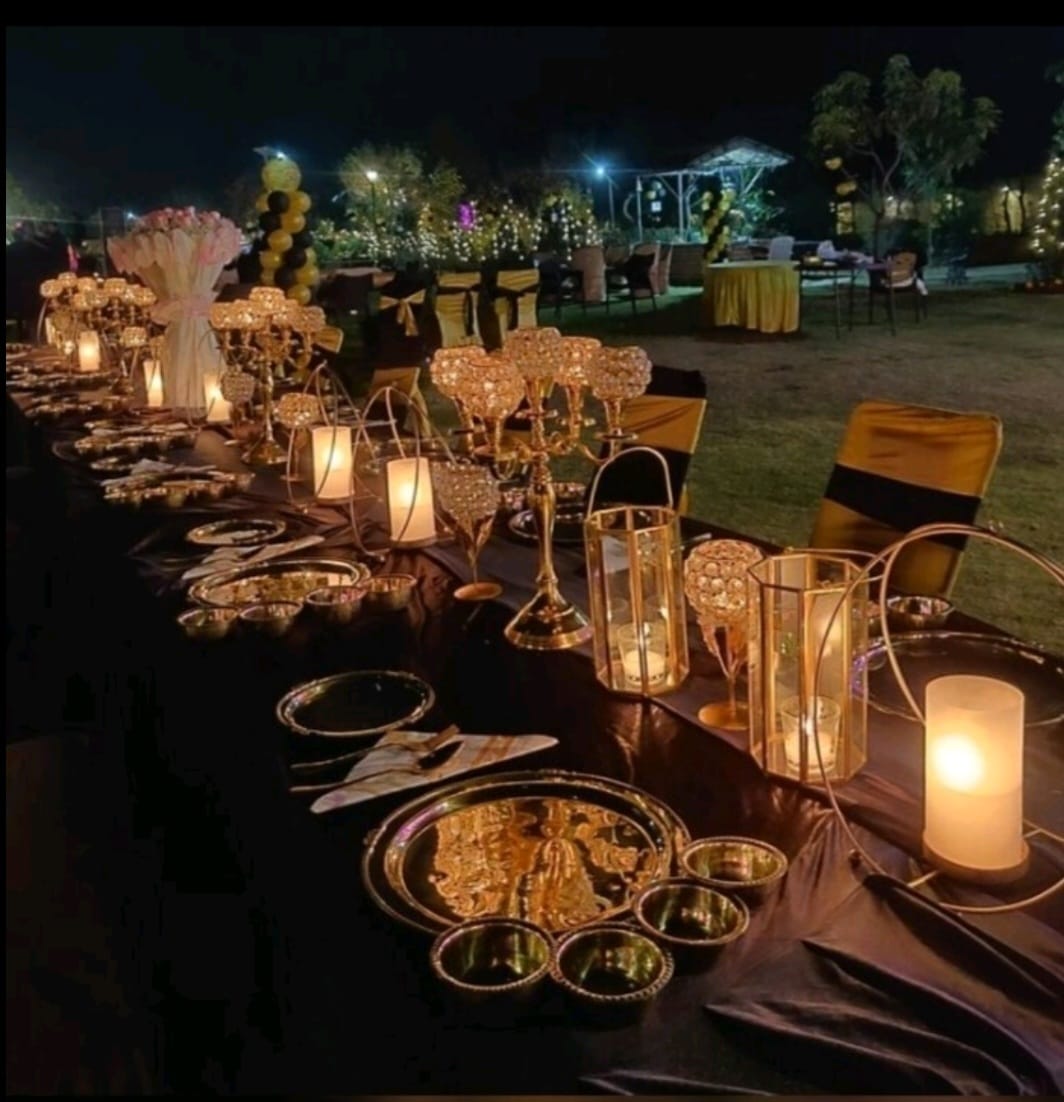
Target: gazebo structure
739	163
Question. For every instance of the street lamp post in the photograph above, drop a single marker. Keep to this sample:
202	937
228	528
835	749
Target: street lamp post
602	174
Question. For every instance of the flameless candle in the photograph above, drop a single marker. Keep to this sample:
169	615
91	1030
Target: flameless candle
411	512
973	776
153	383
637	647
218	409
331	445
797	726
89	350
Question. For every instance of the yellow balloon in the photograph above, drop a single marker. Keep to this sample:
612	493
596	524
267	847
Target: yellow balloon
266	277
262	203
280	241
833	163
299	293
280	174
308	275
299	201
271	260
292	221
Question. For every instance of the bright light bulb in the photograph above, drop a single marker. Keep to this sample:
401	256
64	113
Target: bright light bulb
958	762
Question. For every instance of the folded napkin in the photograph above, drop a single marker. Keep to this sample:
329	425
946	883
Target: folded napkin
226	558
475	752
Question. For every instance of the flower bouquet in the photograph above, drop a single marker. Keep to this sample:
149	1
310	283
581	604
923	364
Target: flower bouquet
180	254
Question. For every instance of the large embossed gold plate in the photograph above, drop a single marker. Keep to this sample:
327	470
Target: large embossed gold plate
558	849
283	580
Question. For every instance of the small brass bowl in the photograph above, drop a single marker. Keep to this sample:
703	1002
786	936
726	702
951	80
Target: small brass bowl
389	592
487	957
570	493
611	965
243	480
207	623
271	617
177	497
336	604
917	613
689	914
743	866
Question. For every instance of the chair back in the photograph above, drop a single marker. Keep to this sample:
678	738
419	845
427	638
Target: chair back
330	339
405	381
638	271
901	268
616	254
455	309
394	334
515	298
902	466
590	262
780	248
664	268
346	294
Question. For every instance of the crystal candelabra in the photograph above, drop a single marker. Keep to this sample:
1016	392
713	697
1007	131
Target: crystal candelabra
266	337
488	387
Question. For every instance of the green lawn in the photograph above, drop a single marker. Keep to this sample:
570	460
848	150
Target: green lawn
778	406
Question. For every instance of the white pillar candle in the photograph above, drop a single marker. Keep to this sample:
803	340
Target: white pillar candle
218	409
411	514
153	383
331	445
798	726
89	350
973	774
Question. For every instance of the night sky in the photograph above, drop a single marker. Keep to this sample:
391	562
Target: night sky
142	116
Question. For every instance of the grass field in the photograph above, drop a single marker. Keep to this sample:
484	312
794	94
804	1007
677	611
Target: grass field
778	407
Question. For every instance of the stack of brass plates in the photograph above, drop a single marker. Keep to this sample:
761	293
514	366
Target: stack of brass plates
558	849
284	580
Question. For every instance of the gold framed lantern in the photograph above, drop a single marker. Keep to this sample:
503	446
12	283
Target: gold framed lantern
808	620
635	583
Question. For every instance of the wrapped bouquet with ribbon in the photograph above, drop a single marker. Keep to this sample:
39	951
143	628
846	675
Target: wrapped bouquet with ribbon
179	254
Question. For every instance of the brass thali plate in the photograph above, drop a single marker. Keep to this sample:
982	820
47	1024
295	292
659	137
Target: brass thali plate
558	849
236	531
284	580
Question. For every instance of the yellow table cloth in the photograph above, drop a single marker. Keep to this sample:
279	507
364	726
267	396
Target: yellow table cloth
753	294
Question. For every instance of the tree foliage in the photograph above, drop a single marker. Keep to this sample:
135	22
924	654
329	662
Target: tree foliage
909	136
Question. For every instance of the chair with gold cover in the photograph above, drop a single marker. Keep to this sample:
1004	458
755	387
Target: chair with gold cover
330	338
395	335
408	404
903	466
668	418
456	308
515	299
903	276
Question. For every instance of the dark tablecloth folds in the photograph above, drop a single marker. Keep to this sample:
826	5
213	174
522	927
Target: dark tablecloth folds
843	983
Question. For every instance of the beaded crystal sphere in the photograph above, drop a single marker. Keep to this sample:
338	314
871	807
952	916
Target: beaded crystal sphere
221	315
297	411
86	283
66	280
115	287
574	358
271	297
142	297
466	491
616	374
715	579
237	387
310	319
493	390
133	336
448	366
51	288
534	352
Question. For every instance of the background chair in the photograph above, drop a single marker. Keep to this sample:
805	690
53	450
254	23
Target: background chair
902	466
589	262
633	281
408	404
515	299
903	276
347	294
455	309
667	417
661	272
557	285
394	333
781	248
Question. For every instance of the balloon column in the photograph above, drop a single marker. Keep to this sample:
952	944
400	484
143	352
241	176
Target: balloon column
286	258
714	224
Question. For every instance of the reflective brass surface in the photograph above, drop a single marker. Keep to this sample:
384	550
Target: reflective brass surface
287	580
494	956
207	623
741	865
611	965
272	617
917	613
556	849
389	592
686	912
336	604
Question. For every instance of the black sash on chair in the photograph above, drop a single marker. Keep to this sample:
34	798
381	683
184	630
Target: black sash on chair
637	480
514	301
468	306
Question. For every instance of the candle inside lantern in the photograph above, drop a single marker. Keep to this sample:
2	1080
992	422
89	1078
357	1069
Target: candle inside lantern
89	350
218	409
973	776
411	512
153	383
641	649
797	725
331	445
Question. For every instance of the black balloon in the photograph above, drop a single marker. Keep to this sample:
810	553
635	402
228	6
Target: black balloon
284	278
278	201
295	258
268	222
302	240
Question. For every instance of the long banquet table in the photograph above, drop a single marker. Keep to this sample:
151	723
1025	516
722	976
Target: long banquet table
272	970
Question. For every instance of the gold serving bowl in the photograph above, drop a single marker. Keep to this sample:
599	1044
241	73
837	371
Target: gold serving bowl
243	480
917	613
272	618
689	914
389	592
744	866
207	623
336	604
611	965
488	957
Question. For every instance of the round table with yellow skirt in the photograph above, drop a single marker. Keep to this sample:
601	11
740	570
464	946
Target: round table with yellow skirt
753	294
